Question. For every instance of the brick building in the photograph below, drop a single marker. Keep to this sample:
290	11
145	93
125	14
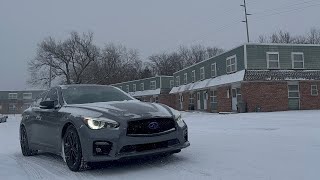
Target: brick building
252	77
15	102
154	89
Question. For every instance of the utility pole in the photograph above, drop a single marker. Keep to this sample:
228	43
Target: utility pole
246	18
50	72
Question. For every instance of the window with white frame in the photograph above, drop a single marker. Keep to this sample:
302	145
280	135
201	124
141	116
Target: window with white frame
213	96
193	75
153	85
231	64
142	87
314	90
202	76
293	91
27	95
12	107
297	60
273	60
191	99
213	70
178	81
128	88
13	95
171	83
134	87
185	78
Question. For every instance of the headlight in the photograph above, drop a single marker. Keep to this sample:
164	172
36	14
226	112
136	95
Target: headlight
178	119
100	123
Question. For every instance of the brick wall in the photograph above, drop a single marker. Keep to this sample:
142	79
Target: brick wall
269	96
307	101
224	103
168	99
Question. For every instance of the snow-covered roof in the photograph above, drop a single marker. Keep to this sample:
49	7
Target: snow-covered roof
221	80
145	93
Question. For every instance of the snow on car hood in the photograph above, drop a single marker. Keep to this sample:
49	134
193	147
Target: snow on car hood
132	109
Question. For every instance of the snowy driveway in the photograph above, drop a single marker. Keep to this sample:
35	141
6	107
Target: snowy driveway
255	146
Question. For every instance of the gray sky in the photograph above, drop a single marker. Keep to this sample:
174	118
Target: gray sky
147	25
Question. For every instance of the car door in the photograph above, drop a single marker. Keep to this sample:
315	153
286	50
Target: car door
50	122
32	121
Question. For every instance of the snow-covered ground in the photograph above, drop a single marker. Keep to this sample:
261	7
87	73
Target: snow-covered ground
253	146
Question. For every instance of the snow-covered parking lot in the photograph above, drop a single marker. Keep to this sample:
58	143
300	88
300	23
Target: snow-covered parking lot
253	146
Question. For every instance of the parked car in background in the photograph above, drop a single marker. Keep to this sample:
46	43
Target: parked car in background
92	123
3	118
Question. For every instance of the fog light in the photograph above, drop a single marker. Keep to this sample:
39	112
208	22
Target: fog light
102	148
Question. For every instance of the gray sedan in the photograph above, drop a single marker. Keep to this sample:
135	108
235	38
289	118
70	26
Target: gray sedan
92	123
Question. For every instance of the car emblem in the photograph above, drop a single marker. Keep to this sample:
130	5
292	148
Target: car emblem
153	125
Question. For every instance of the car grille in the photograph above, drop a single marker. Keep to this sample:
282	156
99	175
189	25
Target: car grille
149	146
150	126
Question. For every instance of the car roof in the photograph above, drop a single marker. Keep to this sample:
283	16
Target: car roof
79	85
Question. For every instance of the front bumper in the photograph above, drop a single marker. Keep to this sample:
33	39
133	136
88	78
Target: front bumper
138	146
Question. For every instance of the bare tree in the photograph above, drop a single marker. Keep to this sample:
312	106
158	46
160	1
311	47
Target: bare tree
68	59
168	63
312	37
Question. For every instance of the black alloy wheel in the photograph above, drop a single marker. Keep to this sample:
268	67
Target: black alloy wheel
72	150
26	151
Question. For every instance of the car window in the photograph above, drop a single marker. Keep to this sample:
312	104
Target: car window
53	96
37	101
92	94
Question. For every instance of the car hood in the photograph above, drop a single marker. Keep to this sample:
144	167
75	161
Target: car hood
132	109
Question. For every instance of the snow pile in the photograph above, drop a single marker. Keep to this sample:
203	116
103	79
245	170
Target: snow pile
145	93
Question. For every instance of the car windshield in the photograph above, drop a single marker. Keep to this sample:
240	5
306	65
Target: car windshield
92	94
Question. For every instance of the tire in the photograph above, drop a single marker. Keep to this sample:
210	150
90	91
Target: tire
25	149
72	150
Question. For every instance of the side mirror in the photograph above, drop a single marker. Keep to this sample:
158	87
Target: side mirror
47	104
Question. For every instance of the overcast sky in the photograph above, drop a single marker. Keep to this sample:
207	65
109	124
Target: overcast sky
147	25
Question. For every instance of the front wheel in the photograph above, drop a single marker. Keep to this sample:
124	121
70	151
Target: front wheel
72	149
26	151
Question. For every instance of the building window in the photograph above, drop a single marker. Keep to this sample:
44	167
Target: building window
171	83
153	85
13	95
213	96
128	88
191	101
27	95
185	79
231	64
193	76
12	107
213	70
273	60
142	87
134	87
314	90
297	60
178	81
293	91
202	77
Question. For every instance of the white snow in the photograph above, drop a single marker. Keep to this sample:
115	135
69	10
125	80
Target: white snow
252	146
145	93
207	83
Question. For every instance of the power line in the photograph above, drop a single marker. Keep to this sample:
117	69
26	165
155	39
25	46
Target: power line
285	6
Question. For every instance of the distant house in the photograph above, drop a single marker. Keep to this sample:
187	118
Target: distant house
252	77
15	102
154	89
